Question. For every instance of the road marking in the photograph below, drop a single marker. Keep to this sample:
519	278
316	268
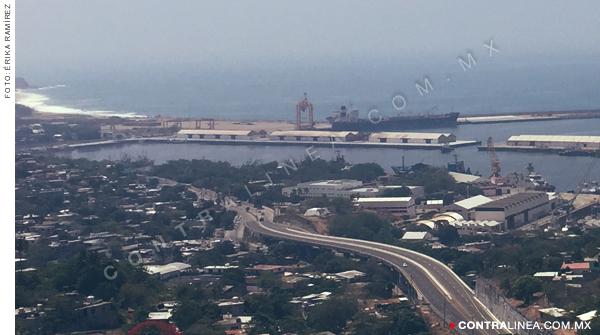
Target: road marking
436	282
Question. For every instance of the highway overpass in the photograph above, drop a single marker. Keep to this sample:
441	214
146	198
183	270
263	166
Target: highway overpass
434	282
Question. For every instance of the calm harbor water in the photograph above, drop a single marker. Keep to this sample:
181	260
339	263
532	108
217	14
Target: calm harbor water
563	172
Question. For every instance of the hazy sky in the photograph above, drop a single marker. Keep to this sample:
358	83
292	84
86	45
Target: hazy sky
150	32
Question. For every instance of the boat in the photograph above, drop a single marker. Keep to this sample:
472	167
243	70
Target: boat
344	119
578	152
446	148
538	181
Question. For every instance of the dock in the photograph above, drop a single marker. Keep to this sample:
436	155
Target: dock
528	116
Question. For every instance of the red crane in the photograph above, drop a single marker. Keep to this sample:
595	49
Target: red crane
302	106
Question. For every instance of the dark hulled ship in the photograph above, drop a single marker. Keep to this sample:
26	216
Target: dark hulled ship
348	120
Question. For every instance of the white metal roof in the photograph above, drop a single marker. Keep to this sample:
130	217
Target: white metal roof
463	177
311	133
216	132
587	316
471	223
162	269
555	138
409	135
473	202
414	235
384	199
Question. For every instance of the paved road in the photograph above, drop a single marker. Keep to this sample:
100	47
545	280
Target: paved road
433	280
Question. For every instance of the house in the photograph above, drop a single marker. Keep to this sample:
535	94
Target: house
233	307
587	316
576	268
230	322
552	314
416	236
32	318
316	212
160	316
396	205
165	272
96	314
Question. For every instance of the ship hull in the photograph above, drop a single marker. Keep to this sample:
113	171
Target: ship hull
398	123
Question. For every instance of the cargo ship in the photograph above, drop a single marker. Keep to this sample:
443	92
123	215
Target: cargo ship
345	119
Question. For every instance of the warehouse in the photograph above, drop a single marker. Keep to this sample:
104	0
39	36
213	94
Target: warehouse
212	134
473	228
555	141
466	208
312	136
396	205
412	138
517	209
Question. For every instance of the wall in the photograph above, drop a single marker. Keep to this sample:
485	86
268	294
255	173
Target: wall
501	308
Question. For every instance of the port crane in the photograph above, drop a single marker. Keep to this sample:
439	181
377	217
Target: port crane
494	159
301	106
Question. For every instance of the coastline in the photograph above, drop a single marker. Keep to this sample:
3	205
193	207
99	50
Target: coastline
39	102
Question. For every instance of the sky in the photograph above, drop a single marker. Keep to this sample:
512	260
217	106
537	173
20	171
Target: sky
76	34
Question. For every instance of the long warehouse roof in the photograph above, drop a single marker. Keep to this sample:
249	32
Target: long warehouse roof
216	132
409	135
555	138
311	133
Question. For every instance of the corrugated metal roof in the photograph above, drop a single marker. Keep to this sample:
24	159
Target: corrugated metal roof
216	132
311	133
384	199
555	138
473	202
463	177
408	135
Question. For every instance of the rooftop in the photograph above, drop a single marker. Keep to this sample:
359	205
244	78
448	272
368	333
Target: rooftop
409	135
384	199
512	200
463	177
473	202
555	138
415	235
311	133
576	266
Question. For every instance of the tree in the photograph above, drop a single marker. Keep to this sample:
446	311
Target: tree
332	315
397	192
154	328
524	287
225	248
448	235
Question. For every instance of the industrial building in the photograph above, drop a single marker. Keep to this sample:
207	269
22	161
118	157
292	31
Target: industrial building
212	134
517	209
466	208
555	141
473	228
343	188
167	271
329	188
412	138
396	205
312	136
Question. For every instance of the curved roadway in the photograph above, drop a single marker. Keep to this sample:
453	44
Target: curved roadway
432	279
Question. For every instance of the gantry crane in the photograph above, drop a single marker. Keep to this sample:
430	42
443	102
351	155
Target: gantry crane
302	106
494	159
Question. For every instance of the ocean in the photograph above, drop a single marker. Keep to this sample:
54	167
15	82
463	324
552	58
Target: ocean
271	92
